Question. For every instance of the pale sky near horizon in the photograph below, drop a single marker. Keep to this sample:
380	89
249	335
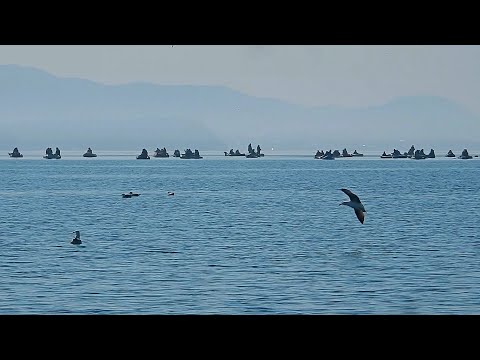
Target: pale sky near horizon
312	75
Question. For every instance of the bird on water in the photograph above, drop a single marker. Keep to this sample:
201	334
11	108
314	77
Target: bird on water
76	240
356	204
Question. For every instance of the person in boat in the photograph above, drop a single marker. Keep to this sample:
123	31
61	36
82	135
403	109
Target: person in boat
465	154
143	155
57	152
161	152
197	154
411	152
187	154
258	150
250	150
345	153
419	154
15	153
328	155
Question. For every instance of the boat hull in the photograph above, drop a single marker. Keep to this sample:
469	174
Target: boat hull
15	156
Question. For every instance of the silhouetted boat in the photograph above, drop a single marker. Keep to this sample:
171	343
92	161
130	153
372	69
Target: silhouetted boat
465	155
252	154
143	155
190	155
328	156
15	154
161	153
450	154
419	155
234	153
431	155
398	155
319	154
89	153
345	153
51	155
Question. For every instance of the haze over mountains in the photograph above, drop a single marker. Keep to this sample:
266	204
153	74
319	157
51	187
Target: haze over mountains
38	110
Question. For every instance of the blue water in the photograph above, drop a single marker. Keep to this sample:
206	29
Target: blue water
240	236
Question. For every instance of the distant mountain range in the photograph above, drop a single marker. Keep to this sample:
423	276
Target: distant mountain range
39	110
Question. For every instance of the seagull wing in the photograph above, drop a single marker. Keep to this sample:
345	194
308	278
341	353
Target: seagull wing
360	215
351	195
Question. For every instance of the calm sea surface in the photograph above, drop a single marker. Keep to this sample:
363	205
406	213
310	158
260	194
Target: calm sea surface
240	236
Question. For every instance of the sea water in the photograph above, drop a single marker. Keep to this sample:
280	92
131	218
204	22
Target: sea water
240	236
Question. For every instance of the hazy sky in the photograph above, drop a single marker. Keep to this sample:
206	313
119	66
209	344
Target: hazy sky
309	75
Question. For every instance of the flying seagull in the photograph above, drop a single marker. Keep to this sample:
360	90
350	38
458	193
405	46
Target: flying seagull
356	204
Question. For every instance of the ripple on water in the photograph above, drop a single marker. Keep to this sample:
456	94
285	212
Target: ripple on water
239	237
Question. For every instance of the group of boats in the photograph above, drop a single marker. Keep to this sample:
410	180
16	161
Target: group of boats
328	155
420	155
159	153
49	154
162	153
396	154
252	154
189	154
465	154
